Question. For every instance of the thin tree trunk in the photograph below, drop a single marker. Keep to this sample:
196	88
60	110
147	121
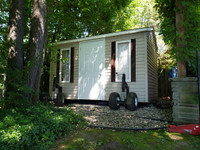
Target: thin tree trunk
15	40
40	71
180	42
35	47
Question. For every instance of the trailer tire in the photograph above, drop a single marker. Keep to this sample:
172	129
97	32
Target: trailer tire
114	101
131	102
59	99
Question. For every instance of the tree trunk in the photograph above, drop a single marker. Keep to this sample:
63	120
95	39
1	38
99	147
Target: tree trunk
180	42
15	53
35	48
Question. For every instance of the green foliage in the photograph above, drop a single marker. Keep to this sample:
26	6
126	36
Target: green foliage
191	23
167	18
165	60
35	127
3	35
15	97
75	19
140	13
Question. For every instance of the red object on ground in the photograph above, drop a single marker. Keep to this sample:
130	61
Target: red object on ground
193	129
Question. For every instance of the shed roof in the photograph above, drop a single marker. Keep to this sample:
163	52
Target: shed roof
105	35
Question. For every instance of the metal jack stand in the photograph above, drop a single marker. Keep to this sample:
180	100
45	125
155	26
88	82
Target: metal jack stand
129	99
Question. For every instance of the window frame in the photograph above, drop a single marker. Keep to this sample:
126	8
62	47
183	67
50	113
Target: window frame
116	61
60	73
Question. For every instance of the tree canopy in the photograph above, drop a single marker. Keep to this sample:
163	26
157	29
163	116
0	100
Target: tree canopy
180	27
66	19
75	19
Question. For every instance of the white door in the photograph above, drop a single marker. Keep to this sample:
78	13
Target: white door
123	60
91	70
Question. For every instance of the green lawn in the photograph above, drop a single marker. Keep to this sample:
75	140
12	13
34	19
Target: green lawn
90	139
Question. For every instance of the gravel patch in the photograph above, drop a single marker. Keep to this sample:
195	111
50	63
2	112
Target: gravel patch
97	115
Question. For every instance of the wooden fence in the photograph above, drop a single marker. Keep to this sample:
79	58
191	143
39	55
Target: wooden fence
164	85
185	99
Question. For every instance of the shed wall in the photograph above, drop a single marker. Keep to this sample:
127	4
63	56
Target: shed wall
70	90
139	86
152	67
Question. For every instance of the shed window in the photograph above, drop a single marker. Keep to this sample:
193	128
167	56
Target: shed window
65	59
123	60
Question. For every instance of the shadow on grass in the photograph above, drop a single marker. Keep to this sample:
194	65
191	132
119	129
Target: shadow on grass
102	139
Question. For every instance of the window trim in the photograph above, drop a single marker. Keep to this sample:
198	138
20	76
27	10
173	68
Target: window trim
60	72
116	60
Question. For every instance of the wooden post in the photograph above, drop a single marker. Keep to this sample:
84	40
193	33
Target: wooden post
198	77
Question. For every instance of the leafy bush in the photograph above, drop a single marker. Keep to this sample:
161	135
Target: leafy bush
36	127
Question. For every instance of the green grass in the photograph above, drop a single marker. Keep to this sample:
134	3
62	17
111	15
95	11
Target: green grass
91	139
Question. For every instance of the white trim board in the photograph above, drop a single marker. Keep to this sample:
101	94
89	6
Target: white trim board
146	70
104	36
60	66
117	63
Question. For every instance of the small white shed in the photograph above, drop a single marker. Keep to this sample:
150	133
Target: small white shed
90	68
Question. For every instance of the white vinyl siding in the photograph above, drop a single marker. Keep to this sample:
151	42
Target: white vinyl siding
139	86
152	67
146	75
70	90
65	59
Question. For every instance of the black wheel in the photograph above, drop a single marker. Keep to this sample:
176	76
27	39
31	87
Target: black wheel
59	99
131	101
114	101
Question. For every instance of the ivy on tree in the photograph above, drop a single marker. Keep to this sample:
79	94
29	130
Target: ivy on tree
180	27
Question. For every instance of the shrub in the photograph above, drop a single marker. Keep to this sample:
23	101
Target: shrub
36	127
